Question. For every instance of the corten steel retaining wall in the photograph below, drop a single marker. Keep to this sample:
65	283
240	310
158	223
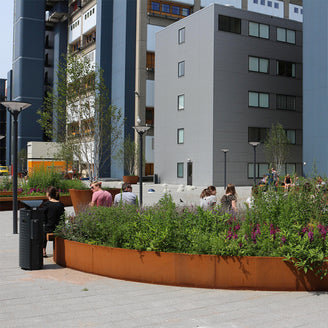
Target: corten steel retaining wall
205	271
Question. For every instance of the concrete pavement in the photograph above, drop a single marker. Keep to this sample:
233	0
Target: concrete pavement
60	297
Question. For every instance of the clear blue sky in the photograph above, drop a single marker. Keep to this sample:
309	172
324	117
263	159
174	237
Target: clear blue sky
6	28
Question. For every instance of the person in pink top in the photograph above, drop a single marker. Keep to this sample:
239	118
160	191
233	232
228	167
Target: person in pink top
100	197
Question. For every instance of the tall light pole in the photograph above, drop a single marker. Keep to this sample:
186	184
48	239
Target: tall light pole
15	108
254	144
141	130
225	150
1	137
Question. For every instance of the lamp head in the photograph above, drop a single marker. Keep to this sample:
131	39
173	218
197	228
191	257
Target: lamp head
15	106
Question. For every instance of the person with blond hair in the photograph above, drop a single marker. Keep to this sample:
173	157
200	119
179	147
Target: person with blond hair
229	200
100	197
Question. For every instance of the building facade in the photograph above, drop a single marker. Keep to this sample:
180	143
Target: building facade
229	75
2	123
315	88
119	36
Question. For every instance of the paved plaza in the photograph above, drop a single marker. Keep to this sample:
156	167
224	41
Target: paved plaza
61	297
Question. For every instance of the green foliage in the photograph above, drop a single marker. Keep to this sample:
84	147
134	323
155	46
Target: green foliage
42	178
6	183
128	156
292	225
79	116
277	146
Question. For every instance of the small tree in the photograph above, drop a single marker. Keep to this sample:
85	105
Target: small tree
277	146
79	116
128	156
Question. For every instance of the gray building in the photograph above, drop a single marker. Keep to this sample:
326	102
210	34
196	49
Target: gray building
315	87
228	76
2	123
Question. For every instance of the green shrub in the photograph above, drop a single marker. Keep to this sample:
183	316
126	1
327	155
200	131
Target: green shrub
42	178
292	225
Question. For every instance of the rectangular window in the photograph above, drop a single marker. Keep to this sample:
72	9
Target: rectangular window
150	115
269	3
150	61
291	168
256	64
180	136
185	11
180	170
286	102
181	69
181	35
286	68
257	134
258	99
258	30
276	5
285	35
296	10
155	6
229	24
263	2
165	8
255	1
291	37
291	135
175	10
181	99
260	170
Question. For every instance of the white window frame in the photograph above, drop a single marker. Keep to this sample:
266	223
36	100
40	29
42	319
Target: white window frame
181	68
181	102
182	35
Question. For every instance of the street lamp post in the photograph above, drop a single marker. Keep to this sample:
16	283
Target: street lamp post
254	144
141	130
14	108
225	150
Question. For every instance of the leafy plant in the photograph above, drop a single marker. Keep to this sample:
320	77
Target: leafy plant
277	146
79	116
291	225
128	156
42	178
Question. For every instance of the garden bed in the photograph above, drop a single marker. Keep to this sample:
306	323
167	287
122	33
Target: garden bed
205	271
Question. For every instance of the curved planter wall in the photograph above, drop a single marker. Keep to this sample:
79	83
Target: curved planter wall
206	271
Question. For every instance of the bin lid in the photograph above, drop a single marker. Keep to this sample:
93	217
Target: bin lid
32	203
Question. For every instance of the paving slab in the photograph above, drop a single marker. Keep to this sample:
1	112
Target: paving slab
62	297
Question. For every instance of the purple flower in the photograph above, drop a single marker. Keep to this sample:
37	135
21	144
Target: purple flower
323	231
273	231
236	227
283	239
310	235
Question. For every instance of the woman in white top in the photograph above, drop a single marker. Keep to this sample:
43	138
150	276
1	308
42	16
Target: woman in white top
208	198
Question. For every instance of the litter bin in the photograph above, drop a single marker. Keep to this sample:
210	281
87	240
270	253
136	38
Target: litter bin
156	179
31	220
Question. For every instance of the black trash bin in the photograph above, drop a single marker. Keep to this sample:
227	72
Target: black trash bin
31	220
156	179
